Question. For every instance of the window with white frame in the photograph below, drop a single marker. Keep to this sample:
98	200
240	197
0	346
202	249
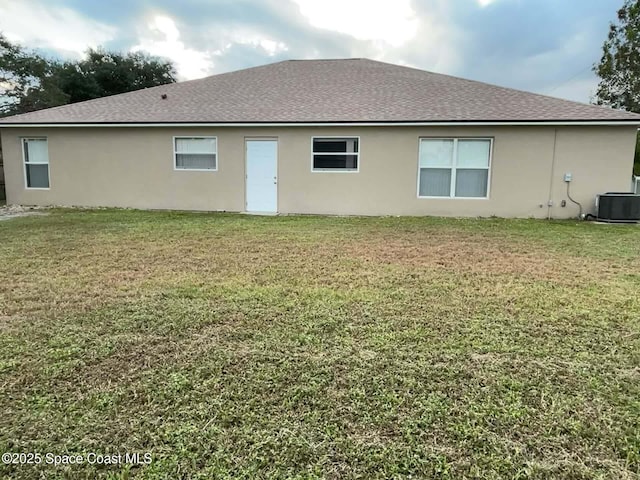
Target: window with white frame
332	153
454	167
196	153
35	152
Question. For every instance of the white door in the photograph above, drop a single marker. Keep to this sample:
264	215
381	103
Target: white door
262	176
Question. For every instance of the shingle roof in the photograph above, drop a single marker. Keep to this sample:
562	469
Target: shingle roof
351	90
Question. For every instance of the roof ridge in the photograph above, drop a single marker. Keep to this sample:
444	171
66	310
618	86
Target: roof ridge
324	60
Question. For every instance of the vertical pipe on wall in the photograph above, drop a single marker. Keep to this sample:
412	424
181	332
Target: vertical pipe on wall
553	171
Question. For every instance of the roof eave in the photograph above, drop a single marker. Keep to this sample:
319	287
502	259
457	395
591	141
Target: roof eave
386	123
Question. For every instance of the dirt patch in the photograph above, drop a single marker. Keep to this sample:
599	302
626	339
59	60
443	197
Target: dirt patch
8	212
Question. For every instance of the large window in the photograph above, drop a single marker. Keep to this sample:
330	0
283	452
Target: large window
335	154
454	167
35	152
196	153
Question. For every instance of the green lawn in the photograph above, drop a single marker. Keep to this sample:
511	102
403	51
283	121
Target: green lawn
233	346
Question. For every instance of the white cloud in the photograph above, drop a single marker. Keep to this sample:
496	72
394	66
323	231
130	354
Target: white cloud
394	22
272	47
58	28
484	3
162	38
437	44
245	36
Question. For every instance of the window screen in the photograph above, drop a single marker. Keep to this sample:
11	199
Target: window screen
335	154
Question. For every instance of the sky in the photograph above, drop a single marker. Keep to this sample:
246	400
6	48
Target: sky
543	46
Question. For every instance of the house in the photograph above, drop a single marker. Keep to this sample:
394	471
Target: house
2	196
350	136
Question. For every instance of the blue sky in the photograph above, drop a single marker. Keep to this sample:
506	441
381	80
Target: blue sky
544	46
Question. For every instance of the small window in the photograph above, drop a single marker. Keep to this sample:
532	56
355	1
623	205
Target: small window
339	154
454	168
196	153
35	152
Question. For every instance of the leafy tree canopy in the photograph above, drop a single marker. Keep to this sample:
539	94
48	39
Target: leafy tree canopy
26	80
619	67
30	81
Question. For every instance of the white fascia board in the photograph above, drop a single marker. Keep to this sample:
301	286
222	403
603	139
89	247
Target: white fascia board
327	124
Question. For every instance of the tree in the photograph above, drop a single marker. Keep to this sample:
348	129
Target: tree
29	81
104	73
26	82
619	67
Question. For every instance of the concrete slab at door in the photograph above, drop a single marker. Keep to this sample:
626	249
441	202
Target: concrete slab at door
262	176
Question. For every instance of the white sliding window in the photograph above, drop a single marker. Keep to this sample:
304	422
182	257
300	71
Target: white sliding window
455	168
335	154
196	153
35	152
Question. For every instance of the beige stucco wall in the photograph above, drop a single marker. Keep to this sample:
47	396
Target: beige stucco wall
133	167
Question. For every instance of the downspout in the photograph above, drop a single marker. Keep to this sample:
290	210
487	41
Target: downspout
553	171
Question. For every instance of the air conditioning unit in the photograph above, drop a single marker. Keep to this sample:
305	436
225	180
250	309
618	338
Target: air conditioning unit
620	207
